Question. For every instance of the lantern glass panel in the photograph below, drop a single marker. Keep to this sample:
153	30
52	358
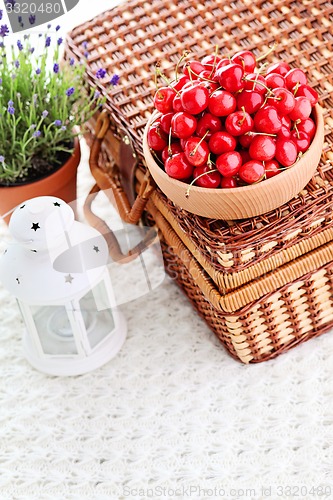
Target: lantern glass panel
54	330
97	314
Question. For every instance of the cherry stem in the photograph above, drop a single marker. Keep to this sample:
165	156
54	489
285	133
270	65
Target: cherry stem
187	193
185	54
271	49
201	77
296	88
244	116
259	83
250	133
192	153
214	63
296	128
158	72
169	142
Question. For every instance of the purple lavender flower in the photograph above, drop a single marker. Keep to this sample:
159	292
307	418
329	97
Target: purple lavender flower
1	14
114	80
70	91
71	61
17	64
49	26
32	50
86	54
45	113
64	127
56	68
58	123
32	19
0	81
11	109
4	30
84	45
37	133
19	45
57	28
47	41
59	41
38	71
100	73
2	159
33	125
96	94
10	103
13	76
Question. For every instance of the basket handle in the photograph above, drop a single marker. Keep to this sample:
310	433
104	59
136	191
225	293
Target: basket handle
115	193
106	182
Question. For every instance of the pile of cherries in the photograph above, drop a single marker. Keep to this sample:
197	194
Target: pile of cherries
226	123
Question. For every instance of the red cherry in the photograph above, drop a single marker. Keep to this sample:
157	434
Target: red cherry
272	168
245	155
183	125
255	82
286	152
308	126
283	101
229	163
178	167
228	182
301	139
210	86
163	99
274	80
221	103
222	142
246	139
286	121
196	151
284	133
250	100
267	120
262	148
206	74
179	84
174	149
177	104
294	76
230	77
156	138
252	171
210	61
208	123
281	68
165	121
192	69
194	99
306	91
223	62
238	123
210	180
246	59
302	109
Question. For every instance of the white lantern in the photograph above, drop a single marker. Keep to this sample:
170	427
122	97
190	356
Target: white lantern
56	268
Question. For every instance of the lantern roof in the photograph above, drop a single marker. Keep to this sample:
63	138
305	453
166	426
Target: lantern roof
53	258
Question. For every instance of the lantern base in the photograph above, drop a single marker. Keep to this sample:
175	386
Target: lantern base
70	366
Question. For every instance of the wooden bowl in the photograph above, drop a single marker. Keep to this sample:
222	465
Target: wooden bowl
246	201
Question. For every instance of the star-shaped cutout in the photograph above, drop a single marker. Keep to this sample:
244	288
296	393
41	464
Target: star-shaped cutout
35	226
56	204
96	249
69	278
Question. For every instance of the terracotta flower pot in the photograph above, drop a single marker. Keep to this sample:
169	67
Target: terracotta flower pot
61	183
246	201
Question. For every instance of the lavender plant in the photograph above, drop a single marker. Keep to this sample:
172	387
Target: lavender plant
42	102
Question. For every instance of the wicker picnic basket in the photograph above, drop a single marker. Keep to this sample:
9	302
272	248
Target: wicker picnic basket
263	284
